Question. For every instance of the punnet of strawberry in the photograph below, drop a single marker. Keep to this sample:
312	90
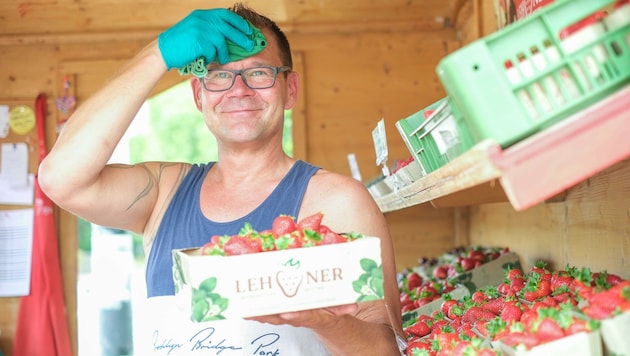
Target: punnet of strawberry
285	233
530	308
434	277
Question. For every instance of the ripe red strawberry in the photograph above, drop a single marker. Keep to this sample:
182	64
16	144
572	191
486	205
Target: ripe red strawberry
437	325
581	325
528	318
511	313
466	329
513	273
536	287
468	264
240	245
582	280
455	311
537	305
311	222
560	279
440	272
288	241
329	237
428	293
446	339
419	328
414	280
605	280
540	267
214	246
494	305
475	313
418	345
515	339
406	303
598	311
456	322
283	224
604	303
547	329
478	297
447	303
482	327
517	284
477	255
463	348
549	300
565	297
505	290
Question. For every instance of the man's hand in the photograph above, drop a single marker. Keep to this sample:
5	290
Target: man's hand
313	318
203	33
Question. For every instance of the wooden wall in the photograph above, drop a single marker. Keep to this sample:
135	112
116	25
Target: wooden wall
589	228
352	77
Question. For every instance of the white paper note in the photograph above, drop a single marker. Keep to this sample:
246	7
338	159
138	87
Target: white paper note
16	184
16	245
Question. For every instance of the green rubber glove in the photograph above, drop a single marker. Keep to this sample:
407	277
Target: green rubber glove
204	34
199	68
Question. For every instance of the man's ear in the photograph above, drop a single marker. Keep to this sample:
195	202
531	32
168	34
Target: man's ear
197	89
293	86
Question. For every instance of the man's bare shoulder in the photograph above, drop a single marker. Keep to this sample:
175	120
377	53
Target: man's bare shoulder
346	203
166	172
331	183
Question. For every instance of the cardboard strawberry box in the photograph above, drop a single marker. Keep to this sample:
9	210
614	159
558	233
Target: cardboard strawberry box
615	333
223	287
582	343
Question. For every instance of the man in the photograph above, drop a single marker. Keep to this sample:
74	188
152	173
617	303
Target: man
179	205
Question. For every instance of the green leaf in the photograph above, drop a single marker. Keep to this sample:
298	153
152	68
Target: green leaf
368	264
208	284
313	235
222	303
198	294
199	310
358	285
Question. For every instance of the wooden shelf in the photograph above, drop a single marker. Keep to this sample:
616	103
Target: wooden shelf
531	171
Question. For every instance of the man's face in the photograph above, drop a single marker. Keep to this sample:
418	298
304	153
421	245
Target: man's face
241	114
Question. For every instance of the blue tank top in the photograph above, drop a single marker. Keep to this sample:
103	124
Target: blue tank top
185	226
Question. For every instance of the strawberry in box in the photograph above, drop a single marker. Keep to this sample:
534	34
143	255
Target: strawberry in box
217	281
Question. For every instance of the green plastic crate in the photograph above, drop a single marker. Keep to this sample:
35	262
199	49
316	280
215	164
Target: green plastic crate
435	135
552	84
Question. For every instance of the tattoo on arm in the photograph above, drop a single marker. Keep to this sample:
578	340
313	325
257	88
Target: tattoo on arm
151	230
147	189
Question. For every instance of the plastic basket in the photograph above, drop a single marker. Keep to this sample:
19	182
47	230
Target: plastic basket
525	78
435	135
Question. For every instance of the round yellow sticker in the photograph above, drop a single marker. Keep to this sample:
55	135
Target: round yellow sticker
22	119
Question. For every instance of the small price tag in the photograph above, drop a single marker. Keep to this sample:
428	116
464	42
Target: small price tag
380	145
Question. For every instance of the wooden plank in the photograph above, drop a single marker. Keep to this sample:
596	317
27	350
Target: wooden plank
582	145
472	169
67	16
489	192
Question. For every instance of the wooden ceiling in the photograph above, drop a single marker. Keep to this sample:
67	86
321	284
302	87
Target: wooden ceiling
19	18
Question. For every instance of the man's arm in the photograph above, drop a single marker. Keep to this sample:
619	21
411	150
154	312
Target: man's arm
75	173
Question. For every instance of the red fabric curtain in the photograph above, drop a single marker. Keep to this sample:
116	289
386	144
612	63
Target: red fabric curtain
42	327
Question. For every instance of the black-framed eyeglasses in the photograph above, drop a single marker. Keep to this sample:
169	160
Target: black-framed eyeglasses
254	78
